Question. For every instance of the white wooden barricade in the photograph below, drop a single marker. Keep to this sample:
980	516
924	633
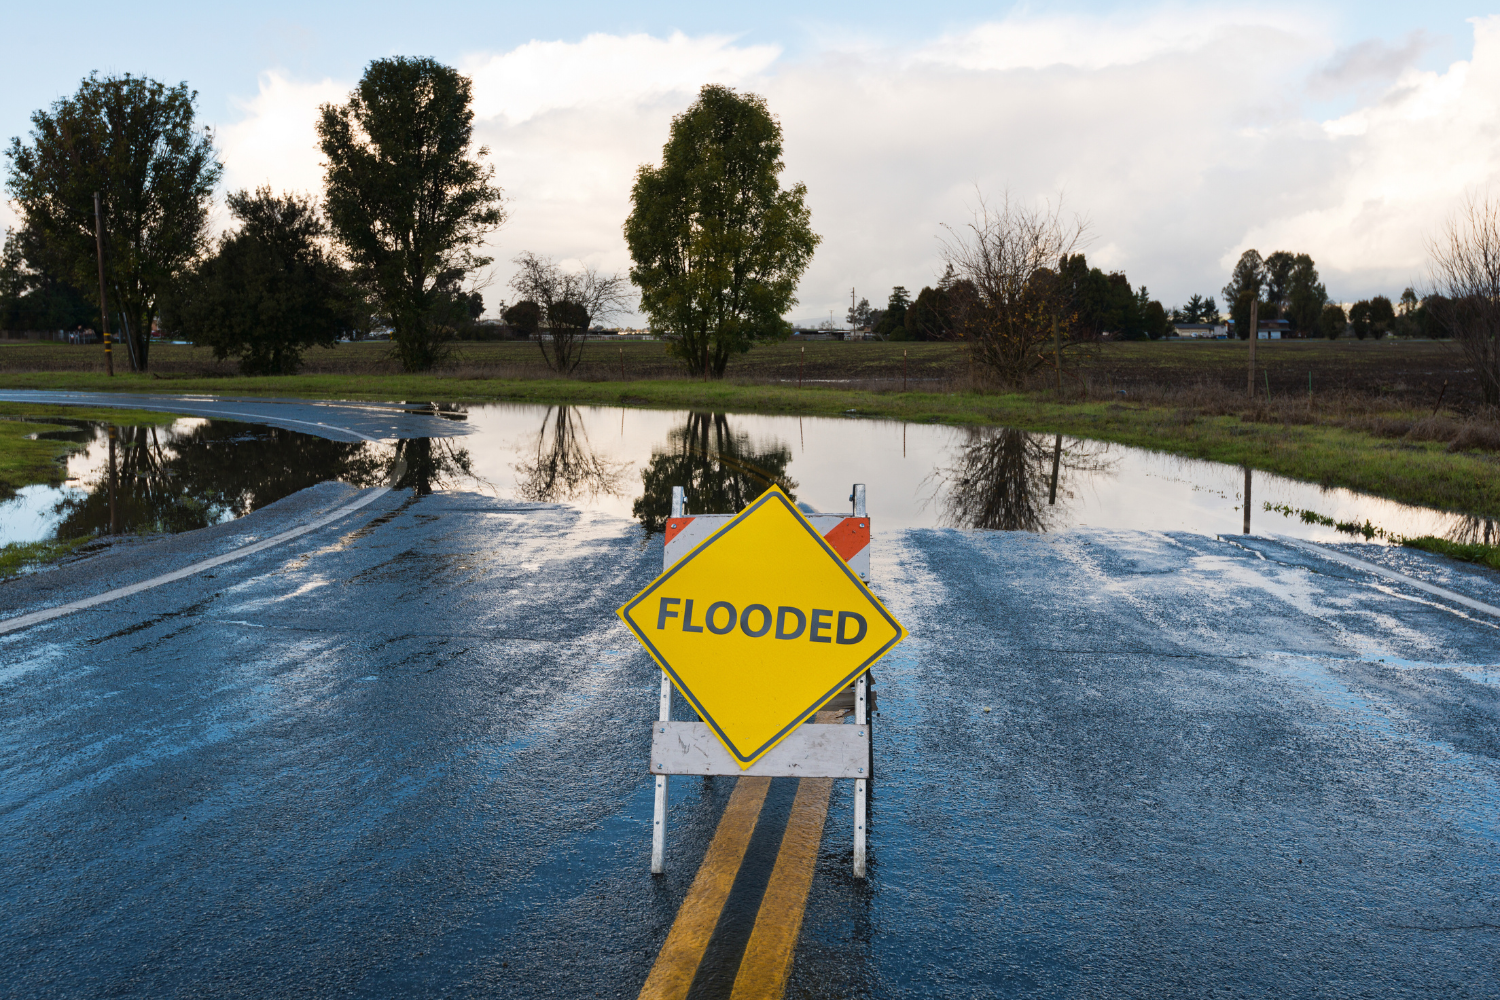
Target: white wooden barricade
809	751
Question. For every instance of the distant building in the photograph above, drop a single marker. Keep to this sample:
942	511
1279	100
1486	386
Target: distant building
1202	331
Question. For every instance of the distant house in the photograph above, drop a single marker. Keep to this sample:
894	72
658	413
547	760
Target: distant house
1202	331
1275	329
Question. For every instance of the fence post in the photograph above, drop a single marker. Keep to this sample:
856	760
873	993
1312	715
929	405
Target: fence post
1254	333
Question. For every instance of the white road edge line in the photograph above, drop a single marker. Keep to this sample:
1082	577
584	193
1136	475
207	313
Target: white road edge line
23	621
47	614
259	418
1390	574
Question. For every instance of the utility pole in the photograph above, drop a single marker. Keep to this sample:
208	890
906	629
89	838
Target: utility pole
1254	335
114	510
1057	359
1056	461
109	360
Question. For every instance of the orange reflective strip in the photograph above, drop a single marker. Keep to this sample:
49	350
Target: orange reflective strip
849	536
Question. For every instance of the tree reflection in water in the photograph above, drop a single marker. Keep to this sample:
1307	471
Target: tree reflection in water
423	465
565	466
1008	480
1471	529
720	470
211	472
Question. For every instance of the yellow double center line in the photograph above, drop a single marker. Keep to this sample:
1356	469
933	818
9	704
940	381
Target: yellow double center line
773	941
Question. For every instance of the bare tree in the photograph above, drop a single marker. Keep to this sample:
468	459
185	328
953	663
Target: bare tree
1466	275
1006	297
569	303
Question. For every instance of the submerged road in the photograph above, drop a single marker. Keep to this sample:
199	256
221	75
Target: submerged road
339	420
404	754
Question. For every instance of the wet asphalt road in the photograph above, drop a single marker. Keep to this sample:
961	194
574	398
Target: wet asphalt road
404	755
339	420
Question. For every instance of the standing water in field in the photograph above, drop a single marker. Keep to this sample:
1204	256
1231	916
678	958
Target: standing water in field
624	462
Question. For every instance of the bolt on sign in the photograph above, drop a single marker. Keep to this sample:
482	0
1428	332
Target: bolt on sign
760	625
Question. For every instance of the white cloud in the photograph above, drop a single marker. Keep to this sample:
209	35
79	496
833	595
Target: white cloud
567	125
1096	43
1397	168
275	141
605	71
1183	136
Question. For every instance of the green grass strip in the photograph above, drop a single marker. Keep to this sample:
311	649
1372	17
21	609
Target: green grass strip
105	414
26	462
23	557
1473	552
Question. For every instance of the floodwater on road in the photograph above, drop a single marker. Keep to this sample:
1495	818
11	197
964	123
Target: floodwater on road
404	751
197	472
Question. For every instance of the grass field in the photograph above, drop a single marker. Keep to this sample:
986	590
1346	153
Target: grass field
1410	371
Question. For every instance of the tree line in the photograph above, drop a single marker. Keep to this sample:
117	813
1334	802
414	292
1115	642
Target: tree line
117	181
1285	286
1097	305
115	184
717	243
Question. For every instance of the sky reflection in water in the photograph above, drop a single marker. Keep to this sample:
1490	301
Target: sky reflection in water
624	462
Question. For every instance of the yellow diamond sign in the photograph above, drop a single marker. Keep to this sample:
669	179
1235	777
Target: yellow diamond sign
760	625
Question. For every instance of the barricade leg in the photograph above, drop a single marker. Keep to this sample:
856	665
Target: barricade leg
861	718
659	823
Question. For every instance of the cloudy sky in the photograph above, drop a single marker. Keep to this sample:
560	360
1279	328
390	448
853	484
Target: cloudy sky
1183	132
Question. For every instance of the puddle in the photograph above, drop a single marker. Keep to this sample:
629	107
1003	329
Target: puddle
189	474
624	462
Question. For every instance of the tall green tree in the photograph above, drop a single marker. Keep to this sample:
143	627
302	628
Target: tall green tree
1332	321
1193	311
408	197
134	142
35	299
717	244
929	317
1154	319
1359	319
1245	286
1305	296
1409	316
861	316
1382	316
270	292
1096	304
1279	271
892	324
